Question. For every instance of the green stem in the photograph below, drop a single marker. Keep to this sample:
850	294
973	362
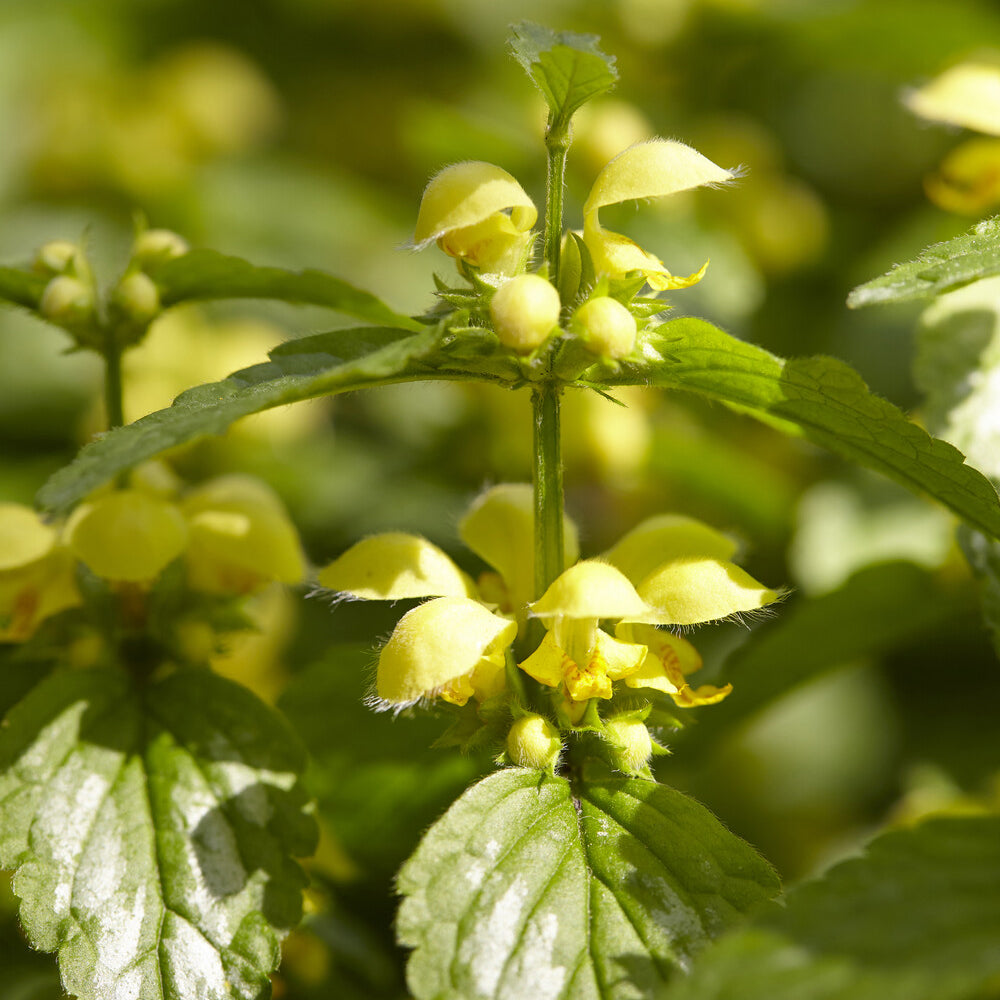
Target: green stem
556	147
113	381
548	487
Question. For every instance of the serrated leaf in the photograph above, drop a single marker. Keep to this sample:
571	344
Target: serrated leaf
208	274
529	887
22	288
366	356
819	397
153	831
569	69
937	269
916	918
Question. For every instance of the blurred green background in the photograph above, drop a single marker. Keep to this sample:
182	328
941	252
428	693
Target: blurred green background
301	133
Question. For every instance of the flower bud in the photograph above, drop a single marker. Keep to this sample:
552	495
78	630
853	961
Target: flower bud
524	311
606	327
631	744
138	298
534	742
55	257
67	301
155	246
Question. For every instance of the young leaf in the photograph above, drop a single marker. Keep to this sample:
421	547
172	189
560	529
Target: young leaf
916	918
569	69
152	832
365	357
207	274
530	887
820	397
22	288
937	269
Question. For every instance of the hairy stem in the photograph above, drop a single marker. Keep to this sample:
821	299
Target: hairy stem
548	487
556	148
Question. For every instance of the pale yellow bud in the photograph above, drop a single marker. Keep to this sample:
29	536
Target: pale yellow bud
55	257
606	327
524	311
156	245
631	742
67	301
534	742
138	298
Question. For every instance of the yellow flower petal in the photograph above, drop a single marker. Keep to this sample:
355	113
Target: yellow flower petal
548	663
670	659
33	592
241	537
24	536
465	208
653	169
660	539
500	528
650	169
966	95
590	590
451	646
394	566
692	591
968	180
127	535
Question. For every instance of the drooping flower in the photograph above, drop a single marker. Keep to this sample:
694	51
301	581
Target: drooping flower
477	212
652	169
450	647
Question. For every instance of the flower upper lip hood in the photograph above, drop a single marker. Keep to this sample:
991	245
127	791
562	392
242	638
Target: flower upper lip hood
478	212
966	95
652	169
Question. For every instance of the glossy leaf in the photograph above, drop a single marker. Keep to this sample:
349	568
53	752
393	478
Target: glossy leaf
916	918
569	69
531	887
937	269
820	398
153	832
363	357
207	274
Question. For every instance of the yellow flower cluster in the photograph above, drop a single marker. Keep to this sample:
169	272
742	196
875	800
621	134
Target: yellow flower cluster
232	532
669	571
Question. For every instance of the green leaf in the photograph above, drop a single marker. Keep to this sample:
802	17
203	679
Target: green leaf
938	269
569	69
152	832
207	274
820	397
529	887
916	918
22	288
364	357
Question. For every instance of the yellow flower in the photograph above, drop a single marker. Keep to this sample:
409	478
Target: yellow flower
967	95
450	647
241	537
422	659
127	535
479	213
681	568
650	169
576	655
36	573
